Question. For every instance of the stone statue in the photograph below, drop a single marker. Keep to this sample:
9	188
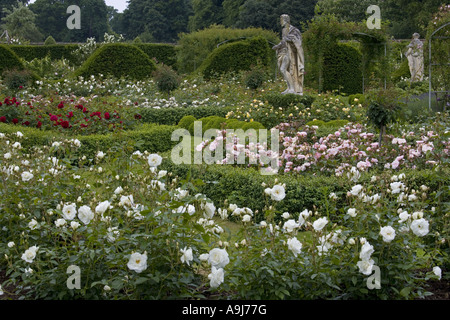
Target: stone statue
291	57
415	58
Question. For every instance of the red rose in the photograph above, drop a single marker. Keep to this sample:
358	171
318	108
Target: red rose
53	118
3	119
15	121
26	123
70	114
107	116
65	124
61	105
39	124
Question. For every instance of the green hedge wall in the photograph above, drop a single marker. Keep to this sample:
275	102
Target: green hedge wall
171	116
118	60
153	138
163	53
243	186
342	69
57	51
278	100
237	56
9	60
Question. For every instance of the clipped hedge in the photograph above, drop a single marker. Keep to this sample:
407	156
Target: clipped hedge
342	69
236	57
163	53
153	138
216	122
278	100
9	60
172	116
56	51
118	60
244	187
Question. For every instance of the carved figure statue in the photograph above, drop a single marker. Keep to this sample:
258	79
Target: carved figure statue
291	57
414	54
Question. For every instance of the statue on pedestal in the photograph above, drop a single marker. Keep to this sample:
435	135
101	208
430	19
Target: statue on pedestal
414	54
291	57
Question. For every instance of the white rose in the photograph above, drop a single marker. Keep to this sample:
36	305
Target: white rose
356	189
60	222
365	266
278	193
290	225
102	207
32	225
69	211
216	276
218	258
351	212
320	223
388	233
154	160
420	227
437	271
137	262
210	209
246	218
404	215
286	215
294	245
85	214
100	155
7	155
30	254
187	255
204	257
366	251
27	176
11	244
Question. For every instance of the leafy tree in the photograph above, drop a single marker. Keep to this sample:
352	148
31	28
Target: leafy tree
8	4
52	19
231	11
20	23
206	13
160	20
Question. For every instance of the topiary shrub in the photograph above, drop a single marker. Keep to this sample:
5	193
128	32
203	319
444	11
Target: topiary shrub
255	78
160	52
342	69
236	57
9	60
166	79
186	121
118	60
49	41
278	100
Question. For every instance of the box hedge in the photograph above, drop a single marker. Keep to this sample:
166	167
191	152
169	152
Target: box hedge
118	60
342	69
9	60
162	53
236	57
172	116
278	100
56	51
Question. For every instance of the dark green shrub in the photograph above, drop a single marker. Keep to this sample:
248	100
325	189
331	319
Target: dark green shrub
56	52
316	123
361	98
166	79
252	125
171	116
255	78
186	121
336	123
236	57
342	69
118	60
49	41
160	53
16	79
278	100
9	60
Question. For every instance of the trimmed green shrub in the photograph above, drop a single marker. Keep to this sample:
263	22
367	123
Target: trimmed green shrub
255	78
401	72
166	78
118	60
342	69
336	123
171	116
153	138
316	123
49	41
278	100
186	121
161	53
236	57
193	48
361	98
9	60
56	52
